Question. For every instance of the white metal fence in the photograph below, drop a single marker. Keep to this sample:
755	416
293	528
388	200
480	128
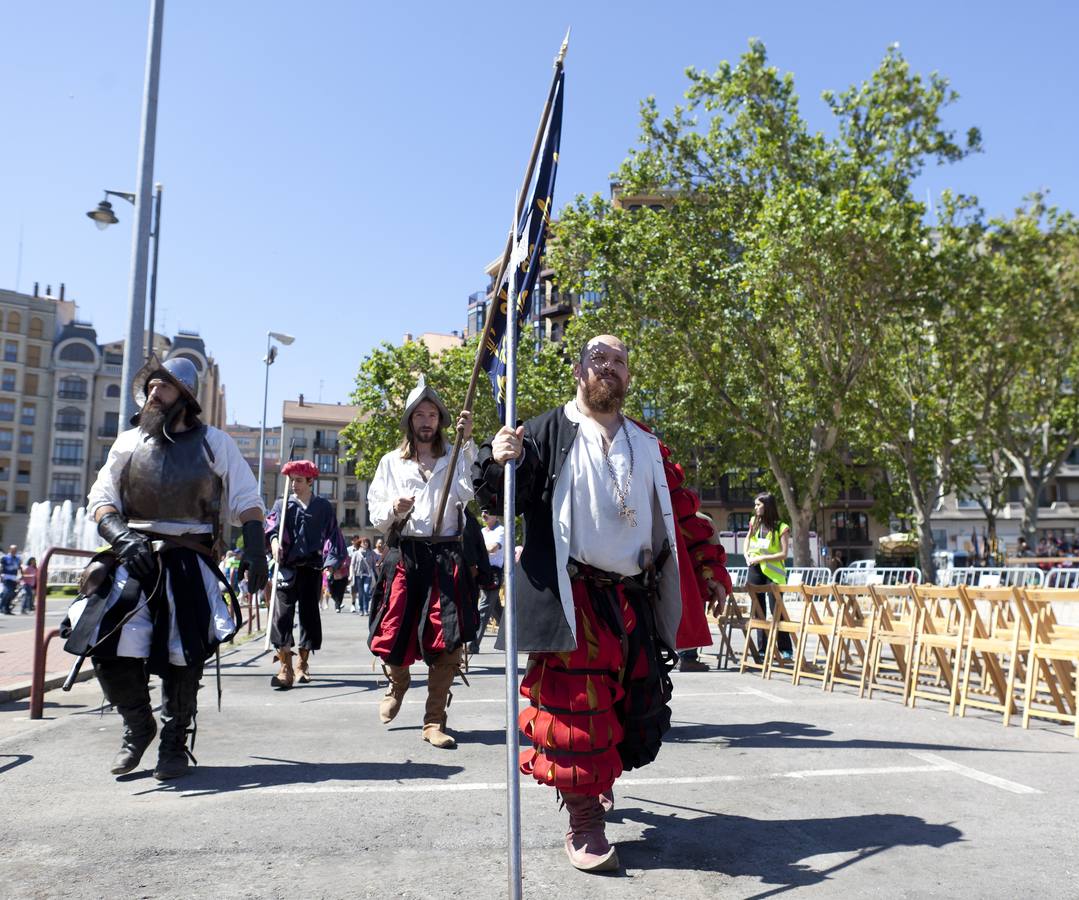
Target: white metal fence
1010	576
1062	578
884	575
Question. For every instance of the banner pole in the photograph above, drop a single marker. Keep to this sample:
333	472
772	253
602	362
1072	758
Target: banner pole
509	622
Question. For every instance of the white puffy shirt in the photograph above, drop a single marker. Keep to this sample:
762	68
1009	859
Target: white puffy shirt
397	477
599	536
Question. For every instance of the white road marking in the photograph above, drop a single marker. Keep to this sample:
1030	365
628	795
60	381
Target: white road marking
458	700
1013	787
783	701
623	783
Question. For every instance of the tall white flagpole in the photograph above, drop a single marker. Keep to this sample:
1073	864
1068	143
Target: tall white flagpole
509	621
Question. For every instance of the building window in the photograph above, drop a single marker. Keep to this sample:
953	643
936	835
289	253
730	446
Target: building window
7	410
327	463
77	352
72	388
5	469
111	426
738	521
70	419
65	486
33	355
7	439
326	487
22	502
326	440
7	380
29	384
14	322
11	351
29	414
26	442
67	452
3	501
37	328
299	439
23	475
850	528
352	493
113	390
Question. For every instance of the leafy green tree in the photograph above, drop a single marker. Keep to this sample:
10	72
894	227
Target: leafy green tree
389	372
757	295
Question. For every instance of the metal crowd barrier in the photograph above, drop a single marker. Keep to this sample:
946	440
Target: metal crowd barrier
810	576
883	575
41	640
988	576
1062	577
739	575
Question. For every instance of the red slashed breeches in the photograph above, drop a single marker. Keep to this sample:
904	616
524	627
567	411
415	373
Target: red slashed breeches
603	707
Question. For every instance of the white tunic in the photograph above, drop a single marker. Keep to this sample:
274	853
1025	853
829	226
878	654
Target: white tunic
601	536
240	493
396	477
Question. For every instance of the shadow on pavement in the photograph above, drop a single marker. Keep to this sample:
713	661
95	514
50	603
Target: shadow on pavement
791	734
14	759
211	780
772	851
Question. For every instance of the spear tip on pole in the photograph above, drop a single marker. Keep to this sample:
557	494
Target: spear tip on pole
561	58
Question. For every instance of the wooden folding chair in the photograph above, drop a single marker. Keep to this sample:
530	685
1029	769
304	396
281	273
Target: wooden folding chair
856	616
895	623
732	617
1053	656
789	616
755	656
996	631
820	621
939	636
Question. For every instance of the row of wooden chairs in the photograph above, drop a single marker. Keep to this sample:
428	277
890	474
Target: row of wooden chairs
997	649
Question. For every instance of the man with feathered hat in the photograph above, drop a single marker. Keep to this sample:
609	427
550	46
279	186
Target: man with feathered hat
424	602
311	541
168	487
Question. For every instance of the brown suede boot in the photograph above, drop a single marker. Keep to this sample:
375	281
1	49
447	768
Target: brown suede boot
586	842
400	678
440	675
303	676
284	678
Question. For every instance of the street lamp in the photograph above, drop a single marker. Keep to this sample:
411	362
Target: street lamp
271	355
103	217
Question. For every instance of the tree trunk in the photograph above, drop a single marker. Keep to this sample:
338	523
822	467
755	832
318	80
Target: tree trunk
1032	487
800	525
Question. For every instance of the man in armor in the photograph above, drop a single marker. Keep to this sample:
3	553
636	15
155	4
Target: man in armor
161	499
311	541
424	600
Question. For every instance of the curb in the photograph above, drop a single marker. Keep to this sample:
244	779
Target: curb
21	689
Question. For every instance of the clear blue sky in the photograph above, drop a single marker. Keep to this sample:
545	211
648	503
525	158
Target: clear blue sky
344	170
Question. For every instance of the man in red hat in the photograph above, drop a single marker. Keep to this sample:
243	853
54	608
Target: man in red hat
612	573
424	602
310	542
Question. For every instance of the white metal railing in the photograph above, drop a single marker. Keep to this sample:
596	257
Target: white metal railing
1061	577
988	576
739	575
807	575
883	575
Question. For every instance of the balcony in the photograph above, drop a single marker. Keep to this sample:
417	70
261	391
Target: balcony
72	395
108	431
70	425
299	443
61	496
557	307
326	445
67	460
351	495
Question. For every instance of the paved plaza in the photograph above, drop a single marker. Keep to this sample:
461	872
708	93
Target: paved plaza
760	790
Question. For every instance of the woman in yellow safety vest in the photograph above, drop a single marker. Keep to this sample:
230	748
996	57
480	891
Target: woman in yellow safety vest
766	547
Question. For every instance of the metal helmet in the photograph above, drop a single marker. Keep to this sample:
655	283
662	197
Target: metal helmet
423	391
178	371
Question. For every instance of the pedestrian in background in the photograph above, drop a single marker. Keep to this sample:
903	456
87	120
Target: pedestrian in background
10	568
29	584
494	539
767	545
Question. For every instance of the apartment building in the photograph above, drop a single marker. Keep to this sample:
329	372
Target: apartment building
247	439
29	324
312	431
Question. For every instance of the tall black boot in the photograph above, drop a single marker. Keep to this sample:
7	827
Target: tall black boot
179	706
124	683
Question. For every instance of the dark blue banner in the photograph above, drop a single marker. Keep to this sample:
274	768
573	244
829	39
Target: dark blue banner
532	229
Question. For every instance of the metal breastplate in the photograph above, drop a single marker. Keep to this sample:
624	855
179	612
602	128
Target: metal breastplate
172	481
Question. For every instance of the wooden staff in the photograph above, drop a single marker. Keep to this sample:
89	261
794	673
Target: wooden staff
277	563
470	396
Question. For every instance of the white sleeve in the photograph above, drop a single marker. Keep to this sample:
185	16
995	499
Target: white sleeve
463	476
106	489
241	488
379	499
